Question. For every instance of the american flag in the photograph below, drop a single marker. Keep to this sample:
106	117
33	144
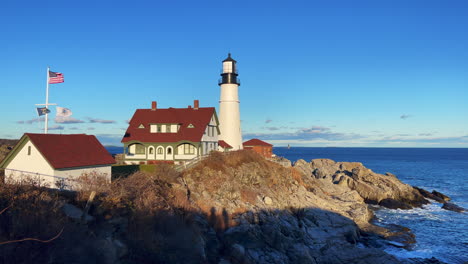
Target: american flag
55	77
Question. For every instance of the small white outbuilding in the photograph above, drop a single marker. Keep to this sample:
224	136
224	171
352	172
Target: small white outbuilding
56	161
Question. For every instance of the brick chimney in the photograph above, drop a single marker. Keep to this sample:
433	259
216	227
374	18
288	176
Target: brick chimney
196	104
153	106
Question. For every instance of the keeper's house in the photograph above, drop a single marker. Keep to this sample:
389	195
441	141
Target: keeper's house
54	161
170	135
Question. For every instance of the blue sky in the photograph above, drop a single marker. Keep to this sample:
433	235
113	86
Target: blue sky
314	73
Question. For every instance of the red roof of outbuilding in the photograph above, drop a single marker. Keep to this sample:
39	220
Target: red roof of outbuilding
67	151
199	118
256	142
223	144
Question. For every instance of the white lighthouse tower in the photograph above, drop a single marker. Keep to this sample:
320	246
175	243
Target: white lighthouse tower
229	114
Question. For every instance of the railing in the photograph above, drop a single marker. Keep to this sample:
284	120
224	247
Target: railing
190	163
229	80
38	179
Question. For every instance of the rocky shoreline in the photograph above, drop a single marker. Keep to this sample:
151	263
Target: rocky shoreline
321	215
230	208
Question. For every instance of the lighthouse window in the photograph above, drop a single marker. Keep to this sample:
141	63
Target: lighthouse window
227	67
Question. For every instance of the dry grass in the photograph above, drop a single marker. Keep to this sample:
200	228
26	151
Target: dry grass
296	175
145	192
249	196
218	161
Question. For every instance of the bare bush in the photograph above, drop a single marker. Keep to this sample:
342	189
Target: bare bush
89	182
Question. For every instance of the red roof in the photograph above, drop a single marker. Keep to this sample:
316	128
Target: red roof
223	144
67	151
256	142
198	118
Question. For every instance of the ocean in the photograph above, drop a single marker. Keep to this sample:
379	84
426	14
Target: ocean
439	233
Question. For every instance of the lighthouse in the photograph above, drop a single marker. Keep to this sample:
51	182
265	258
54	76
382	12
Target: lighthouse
229	114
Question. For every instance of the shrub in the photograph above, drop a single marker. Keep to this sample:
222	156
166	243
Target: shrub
166	173
89	182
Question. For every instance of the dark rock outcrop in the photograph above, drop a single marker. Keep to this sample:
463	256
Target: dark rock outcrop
434	195
429	195
453	207
394	204
423	261
441	195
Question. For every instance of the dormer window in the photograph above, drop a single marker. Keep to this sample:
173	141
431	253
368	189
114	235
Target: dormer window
190	126
141	126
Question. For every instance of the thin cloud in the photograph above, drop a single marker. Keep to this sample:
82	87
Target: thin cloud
305	134
405	116
425	134
276	128
315	130
34	120
73	128
56	127
91	128
271	128
101	121
432	140
67	120
268	121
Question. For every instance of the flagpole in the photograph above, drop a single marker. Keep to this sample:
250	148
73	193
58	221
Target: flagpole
47	102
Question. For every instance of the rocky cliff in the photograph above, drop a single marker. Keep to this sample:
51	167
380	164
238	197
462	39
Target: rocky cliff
230	208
